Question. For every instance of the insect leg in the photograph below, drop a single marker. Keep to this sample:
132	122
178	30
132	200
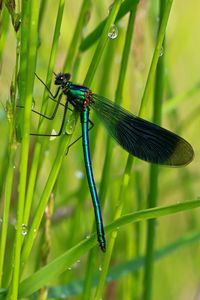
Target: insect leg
49	91
54	112
62	124
80	137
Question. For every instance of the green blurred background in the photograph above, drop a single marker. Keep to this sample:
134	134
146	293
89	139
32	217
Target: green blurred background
176	275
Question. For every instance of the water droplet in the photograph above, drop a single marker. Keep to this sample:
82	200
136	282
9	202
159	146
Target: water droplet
79	174
34	230
69	268
24	229
53	133
14	167
70	124
87	236
1	220
100	268
113	33
161	51
33	104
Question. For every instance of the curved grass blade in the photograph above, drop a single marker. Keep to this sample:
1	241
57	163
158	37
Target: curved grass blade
141	138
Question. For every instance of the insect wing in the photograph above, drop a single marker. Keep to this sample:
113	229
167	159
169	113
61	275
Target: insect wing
141	138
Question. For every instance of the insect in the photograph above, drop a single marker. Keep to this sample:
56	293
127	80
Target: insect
139	137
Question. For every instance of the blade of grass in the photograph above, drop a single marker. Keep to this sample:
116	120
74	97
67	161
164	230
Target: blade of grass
153	174
173	102
125	268
73	49
156	55
7	193
32	46
4	31
61	263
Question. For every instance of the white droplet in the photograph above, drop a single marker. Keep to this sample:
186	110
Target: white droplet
161	51
33	104
79	174
24	229
14	167
113	33
88	236
34	230
100	268
53	133
69	268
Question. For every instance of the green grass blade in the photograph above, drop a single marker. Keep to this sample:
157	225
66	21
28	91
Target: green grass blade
32	46
61	263
125	268
153	175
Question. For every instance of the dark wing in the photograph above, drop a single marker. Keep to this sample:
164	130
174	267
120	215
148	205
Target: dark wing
141	138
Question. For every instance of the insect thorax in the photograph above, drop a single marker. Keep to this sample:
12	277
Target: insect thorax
79	96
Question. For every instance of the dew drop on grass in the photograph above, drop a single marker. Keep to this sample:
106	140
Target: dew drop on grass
70	124
79	174
24	229
100	268
161	51
33	104
113	33
53	133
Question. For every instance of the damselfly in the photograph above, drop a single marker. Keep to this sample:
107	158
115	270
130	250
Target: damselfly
139	137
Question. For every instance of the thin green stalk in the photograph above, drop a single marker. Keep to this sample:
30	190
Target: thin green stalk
73	49
150	79
173	102
4	31
7	198
59	265
153	176
118	211
44	198
39	140
32	46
